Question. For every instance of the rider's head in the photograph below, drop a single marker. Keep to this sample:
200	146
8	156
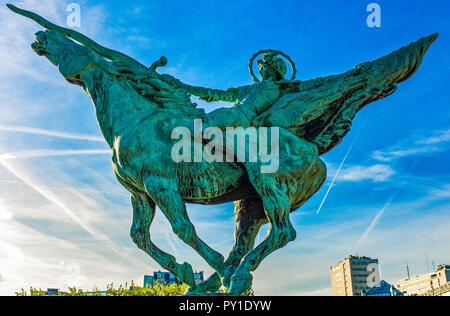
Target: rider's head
272	68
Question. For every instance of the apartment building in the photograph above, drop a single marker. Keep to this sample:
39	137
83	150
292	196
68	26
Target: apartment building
354	275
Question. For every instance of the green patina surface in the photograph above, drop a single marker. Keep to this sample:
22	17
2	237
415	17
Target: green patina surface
137	108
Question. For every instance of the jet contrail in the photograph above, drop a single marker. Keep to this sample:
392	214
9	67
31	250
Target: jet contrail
52	198
44	191
51	152
341	165
48	194
38	131
375	221
335	177
382	211
337	172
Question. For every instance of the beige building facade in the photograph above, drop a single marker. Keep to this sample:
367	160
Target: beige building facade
427	282
354	275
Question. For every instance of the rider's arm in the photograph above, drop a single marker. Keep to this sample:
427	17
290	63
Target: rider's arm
212	95
206	94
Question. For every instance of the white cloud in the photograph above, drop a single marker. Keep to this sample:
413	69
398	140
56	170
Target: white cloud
438	138
4	213
11	258
443	192
394	154
376	173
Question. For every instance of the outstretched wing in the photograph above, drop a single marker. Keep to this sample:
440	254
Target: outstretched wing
323	109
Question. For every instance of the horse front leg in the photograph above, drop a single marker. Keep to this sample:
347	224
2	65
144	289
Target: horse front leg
169	200
143	215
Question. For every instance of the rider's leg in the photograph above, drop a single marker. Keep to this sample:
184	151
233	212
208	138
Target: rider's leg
143	214
229	117
250	216
168	198
277	208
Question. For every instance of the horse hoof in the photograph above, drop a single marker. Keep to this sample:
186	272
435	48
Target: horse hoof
187	275
228	273
240	282
211	285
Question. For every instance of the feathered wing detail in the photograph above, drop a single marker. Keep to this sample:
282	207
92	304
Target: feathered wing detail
161	89
323	109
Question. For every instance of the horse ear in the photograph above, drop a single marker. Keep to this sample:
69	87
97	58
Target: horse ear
161	62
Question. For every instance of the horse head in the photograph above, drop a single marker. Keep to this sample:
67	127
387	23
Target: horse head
71	58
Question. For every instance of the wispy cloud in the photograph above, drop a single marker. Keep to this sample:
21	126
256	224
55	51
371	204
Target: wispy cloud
438	138
419	145
395	154
4	213
376	173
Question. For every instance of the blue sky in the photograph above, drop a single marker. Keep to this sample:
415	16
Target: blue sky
64	220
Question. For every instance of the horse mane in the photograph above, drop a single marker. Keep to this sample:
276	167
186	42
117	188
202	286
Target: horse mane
156	88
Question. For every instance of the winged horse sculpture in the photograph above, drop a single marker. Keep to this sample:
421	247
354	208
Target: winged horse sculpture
137	109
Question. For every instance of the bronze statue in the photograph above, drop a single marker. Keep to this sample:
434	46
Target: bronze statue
138	109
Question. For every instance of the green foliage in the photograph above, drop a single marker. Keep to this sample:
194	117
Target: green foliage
248	292
157	290
33	292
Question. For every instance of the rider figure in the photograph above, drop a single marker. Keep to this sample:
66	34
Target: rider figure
250	100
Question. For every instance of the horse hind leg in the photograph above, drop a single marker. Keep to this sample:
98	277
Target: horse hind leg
143	215
250	216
